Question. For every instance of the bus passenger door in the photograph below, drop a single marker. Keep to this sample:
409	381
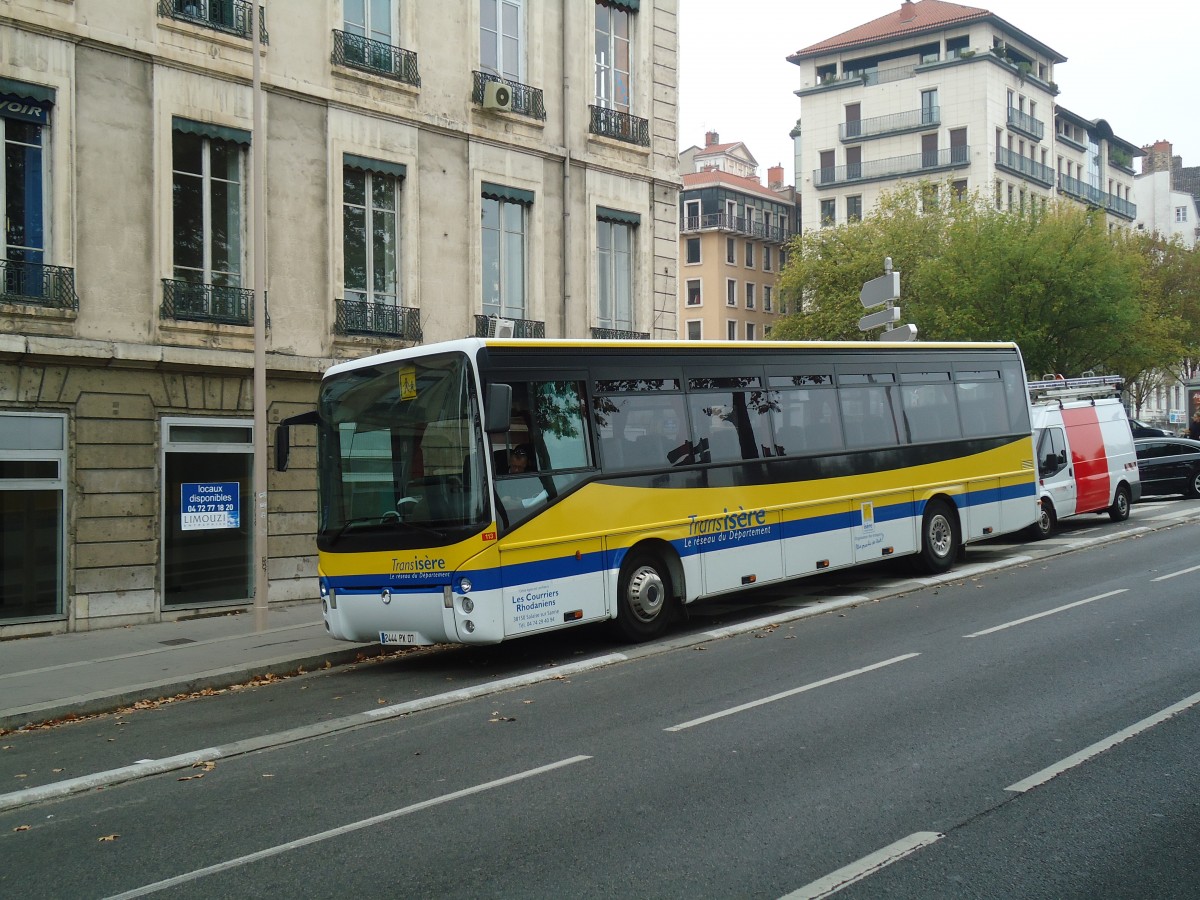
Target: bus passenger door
886	525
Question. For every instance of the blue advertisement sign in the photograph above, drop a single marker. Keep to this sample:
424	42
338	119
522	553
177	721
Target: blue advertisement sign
211	504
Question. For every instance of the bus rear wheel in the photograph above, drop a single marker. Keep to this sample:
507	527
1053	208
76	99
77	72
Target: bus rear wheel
939	538
644	596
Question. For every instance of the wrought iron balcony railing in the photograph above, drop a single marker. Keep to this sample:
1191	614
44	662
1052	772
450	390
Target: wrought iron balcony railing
361	317
37	284
228	16
526	100
375	57
188	301
738	224
618	334
1026	124
896	166
620	126
522	328
1024	166
896	123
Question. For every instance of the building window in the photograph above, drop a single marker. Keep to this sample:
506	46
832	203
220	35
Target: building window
501	47
958	190
208	531
767	298
208	207
1181	214
370	34
23	195
750	299
828	212
33	484
693	292
504	252
854	209
730	292
370	236
750	331
731	251
693	251
929	107
749	255
614	255
695	330
731	330
613	57
766	259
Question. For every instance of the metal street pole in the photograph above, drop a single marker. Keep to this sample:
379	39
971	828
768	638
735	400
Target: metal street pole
258	159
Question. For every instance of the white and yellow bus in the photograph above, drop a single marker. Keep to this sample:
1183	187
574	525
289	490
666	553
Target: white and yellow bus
477	490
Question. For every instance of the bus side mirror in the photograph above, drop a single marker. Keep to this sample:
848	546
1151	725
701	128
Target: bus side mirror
497	405
283	437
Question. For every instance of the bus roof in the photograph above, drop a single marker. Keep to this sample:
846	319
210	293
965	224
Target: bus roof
471	345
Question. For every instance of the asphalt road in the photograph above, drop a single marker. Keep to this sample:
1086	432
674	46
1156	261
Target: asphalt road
1025	731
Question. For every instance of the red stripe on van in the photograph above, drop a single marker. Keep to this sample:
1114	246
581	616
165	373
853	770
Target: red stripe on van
1087	455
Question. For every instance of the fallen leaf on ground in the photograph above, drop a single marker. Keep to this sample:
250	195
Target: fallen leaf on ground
109	837
21	828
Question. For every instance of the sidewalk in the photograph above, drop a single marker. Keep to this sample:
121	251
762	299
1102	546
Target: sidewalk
46	678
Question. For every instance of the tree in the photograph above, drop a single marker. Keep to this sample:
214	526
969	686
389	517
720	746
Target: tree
1052	278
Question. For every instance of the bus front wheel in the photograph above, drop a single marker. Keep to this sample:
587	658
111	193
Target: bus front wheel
939	538
644	597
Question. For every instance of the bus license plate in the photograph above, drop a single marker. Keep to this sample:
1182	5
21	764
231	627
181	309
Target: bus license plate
392	638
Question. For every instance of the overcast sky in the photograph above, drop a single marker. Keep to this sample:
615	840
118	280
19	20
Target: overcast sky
1137	65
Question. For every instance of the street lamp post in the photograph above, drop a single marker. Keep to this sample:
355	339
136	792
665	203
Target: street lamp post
258	160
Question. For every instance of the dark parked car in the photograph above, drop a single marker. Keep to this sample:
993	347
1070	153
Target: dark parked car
1142	430
1169	466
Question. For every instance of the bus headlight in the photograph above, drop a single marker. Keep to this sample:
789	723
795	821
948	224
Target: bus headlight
468	605
464	585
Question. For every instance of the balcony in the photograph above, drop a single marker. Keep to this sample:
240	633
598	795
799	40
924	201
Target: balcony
1025	124
736	224
1093	196
526	100
1024	166
188	301
617	334
894	167
361	317
619	126
36	284
896	123
227	16
522	328
376	57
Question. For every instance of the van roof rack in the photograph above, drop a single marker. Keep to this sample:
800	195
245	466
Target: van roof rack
1075	388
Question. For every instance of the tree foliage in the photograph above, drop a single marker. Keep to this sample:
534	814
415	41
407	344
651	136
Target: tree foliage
1072	294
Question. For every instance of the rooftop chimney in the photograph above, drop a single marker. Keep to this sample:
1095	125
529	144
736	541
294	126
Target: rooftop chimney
775	177
710	138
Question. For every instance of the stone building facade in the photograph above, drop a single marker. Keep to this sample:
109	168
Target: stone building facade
429	167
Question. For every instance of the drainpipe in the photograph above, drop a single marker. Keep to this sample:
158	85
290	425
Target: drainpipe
566	185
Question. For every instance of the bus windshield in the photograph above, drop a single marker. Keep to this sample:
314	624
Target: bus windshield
401	456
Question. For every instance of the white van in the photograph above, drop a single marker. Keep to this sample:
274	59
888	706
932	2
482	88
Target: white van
1084	451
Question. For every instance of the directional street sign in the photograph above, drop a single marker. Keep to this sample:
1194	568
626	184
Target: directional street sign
903	333
880	317
880	290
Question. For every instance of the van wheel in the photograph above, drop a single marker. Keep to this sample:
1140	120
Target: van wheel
1043	525
939	538
1119	511
644	596
1193	485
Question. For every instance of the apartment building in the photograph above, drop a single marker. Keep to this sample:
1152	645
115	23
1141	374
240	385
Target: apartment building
1165	196
733	232
429	168
959	97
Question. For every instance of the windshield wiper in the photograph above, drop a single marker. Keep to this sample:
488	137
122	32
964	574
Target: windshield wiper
392	521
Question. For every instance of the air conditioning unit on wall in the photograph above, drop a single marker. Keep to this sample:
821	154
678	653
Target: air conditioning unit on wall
497	95
501	328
